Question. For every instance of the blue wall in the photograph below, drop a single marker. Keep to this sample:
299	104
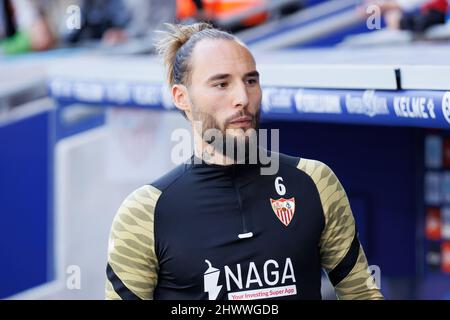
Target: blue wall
25	206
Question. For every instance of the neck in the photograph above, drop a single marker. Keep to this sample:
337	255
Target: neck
208	154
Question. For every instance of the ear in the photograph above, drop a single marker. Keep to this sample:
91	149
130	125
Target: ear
181	99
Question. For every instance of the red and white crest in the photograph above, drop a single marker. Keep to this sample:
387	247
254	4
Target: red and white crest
284	209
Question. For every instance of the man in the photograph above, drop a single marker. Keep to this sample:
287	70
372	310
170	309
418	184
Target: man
23	27
216	227
101	20
412	15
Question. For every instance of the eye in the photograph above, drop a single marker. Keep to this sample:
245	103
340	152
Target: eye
221	85
252	81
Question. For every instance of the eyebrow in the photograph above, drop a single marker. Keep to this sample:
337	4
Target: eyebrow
222	76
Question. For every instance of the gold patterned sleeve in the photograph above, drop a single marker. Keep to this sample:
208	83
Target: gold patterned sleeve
341	253
132	268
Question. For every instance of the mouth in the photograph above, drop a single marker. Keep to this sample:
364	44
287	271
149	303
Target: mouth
241	121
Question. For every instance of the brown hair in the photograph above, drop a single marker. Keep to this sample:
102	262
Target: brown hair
175	46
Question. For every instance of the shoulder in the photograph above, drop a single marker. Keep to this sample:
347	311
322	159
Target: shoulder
325	180
143	200
331	191
323	176
317	170
165	181
137	208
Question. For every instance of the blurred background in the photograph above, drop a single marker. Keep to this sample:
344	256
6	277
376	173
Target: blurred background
85	118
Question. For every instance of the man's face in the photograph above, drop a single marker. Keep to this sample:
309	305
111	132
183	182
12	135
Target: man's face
224	90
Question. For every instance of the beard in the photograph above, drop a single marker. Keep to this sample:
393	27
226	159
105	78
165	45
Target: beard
236	144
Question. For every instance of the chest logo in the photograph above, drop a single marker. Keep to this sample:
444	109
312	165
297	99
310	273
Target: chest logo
284	209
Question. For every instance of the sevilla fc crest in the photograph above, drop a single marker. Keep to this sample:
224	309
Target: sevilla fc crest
284	209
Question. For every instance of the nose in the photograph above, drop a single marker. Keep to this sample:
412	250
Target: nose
240	96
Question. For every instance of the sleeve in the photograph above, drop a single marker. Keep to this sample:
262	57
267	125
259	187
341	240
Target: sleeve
26	13
410	5
132	268
342	255
199	4
148	16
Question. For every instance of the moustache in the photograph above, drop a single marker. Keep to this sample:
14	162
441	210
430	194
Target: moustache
240	115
